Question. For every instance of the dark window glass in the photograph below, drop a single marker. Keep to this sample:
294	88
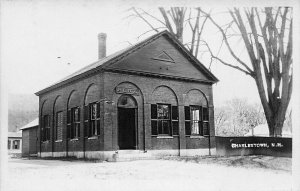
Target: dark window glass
154	127
205	114
46	128
187	112
205	129
59	125
187	127
98	110
153	111
174	113
175	127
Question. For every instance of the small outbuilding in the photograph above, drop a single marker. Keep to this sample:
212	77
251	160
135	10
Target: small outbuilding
30	138
150	99
14	144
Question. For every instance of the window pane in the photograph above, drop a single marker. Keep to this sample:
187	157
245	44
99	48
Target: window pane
175	127
48	133
93	111
16	144
205	114
205	128
76	114
160	127
187	128
154	127
195	127
78	130
93	127
187	112
72	131
126	101
98	127
166	127
59	124
174	112
195	112
98	109
163	112
153	111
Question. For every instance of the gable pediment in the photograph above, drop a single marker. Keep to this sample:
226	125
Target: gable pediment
162	57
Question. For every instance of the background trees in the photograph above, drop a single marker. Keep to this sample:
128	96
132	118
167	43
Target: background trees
237	117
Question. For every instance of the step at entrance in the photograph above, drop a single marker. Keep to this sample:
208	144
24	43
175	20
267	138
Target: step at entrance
130	155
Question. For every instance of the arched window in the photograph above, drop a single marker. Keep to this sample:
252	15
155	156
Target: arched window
92	112
164	112
73	116
58	114
46	121
196	114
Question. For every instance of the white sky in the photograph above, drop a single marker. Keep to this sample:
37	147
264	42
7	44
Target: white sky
34	34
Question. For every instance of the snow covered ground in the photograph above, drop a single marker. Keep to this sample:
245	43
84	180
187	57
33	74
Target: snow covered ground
206	173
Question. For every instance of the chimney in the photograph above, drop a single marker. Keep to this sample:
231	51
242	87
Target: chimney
101	45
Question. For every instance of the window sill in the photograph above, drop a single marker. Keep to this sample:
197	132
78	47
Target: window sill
196	136
58	141
75	139
93	137
45	141
164	137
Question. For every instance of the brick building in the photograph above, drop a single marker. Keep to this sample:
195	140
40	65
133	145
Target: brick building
151	99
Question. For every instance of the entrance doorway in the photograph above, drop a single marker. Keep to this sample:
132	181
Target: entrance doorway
127	123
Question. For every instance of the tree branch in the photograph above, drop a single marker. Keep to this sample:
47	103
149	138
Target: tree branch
226	63
140	16
227	43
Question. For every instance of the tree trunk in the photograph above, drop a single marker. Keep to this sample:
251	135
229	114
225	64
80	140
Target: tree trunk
275	124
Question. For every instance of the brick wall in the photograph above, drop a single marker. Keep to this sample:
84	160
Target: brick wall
106	84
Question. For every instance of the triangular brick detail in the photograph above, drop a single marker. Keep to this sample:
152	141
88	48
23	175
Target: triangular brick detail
164	57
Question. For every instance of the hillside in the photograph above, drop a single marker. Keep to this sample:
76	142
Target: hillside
22	109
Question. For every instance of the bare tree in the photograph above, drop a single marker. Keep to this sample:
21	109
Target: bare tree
175	20
268	38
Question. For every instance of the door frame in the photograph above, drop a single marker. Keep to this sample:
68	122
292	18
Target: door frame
135	107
